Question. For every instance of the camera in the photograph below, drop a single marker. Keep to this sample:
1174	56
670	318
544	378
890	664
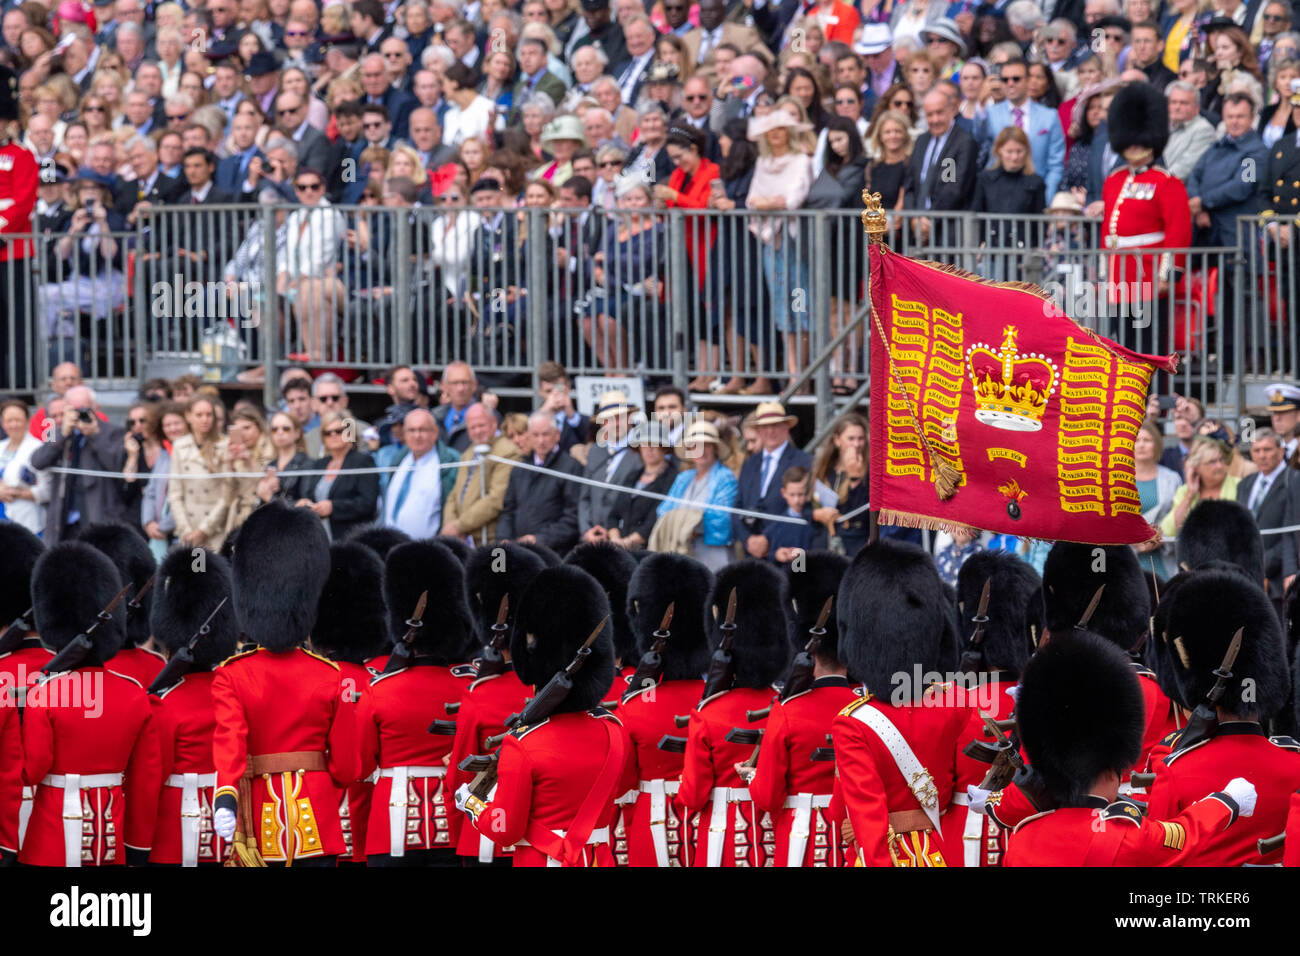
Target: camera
85	415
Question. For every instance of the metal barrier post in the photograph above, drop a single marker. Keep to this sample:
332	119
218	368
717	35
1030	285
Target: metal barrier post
679	282
268	315
143	304
820	294
402	311
539	344
1238	335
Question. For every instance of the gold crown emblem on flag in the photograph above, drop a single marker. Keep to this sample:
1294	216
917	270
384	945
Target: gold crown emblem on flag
1012	388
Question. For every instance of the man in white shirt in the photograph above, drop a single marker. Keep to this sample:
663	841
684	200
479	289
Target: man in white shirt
414	500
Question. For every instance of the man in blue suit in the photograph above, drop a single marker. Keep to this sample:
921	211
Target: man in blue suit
1041	124
232	172
760	476
379	92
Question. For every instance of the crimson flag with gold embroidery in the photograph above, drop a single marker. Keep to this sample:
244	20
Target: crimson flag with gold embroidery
993	409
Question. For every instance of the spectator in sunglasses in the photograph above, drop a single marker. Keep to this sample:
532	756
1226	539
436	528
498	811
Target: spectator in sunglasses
340	497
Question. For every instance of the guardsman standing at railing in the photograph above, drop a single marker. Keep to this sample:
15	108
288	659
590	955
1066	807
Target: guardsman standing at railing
1145	208
19	179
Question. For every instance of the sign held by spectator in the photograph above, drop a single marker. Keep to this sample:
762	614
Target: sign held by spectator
589	388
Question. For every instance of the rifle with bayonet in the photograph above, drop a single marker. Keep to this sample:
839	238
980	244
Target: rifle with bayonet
403	650
81	645
651	666
493	661
972	658
1008	767
720	677
11	638
182	662
136	604
539	708
800	679
1204	721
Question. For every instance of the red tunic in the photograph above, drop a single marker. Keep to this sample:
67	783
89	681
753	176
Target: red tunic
486	704
648	717
22	668
710	764
981	842
1239	749
90	721
1152	204
11	776
19	178
271	703
1118	835
184	716
547	773
1291	850
354	800
1161	716
393	726
795	729
701	231
873	787
139	663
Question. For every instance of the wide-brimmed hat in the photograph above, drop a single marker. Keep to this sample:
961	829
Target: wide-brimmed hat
564	127
262	63
1065	202
661	72
701	432
772	413
875	38
946	29
612	403
759	125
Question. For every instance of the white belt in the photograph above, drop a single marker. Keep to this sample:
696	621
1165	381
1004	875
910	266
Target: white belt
25	813
973	832
1130	242
721	796
659	791
598	836
397	801
486	848
801	826
191	811
73	784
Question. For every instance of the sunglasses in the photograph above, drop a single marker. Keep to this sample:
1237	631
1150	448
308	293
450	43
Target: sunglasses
907	103
452	197
846	102
333	431
610	164
295	33
1274	18
1055	40
170	118
136	421
100	109
329	398
309	187
378	124
1013	79
286	112
697	97
281	428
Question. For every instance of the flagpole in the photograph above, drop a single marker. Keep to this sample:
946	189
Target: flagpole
875	224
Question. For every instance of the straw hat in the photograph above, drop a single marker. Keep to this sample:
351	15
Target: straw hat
772	413
759	125
612	403
701	432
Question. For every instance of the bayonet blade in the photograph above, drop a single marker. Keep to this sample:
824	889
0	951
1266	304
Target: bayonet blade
730	620
112	605
418	616
594	634
135	601
983	612
204	627
825	615
1234	648
1090	609
667	620
503	610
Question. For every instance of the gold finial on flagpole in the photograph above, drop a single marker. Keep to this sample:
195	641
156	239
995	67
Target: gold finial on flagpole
873	216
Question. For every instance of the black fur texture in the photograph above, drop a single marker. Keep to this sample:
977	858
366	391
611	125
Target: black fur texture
447	633
351	621
663	578
127	548
71	583
185	593
557	612
19	551
761	650
612	566
1070	581
280	567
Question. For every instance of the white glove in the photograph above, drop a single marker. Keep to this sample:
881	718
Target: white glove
1243	791
1014	693
462	796
223	821
979	798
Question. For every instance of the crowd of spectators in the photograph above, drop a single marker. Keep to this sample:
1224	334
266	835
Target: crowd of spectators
612	112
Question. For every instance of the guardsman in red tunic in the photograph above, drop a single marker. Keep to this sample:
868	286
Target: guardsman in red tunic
896	748
1146	207
1081	715
19	180
493	572
727	826
1206	612
351	628
22	655
188	608
127	549
11	781
795	776
557	779
612	566
285	739
996	655
408	815
656	831
90	746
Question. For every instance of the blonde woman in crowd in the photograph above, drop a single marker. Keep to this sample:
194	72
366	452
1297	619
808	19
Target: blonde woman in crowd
248	449
198	503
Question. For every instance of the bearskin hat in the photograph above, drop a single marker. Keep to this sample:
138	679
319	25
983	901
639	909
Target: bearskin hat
19	550
448	628
280	567
71	583
892	615
1071	576
127	548
184	597
227	549
612	566
1080	712
350	617
379	538
493	571
456	546
1205	612
548	556
1138	116
761	649
1159	652
809	587
660	579
1015	607
557	613
1224	531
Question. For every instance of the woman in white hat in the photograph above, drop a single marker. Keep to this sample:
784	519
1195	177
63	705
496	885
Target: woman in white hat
782	178
703	534
562	137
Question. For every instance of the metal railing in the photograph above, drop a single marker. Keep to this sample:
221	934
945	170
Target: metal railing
729	299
